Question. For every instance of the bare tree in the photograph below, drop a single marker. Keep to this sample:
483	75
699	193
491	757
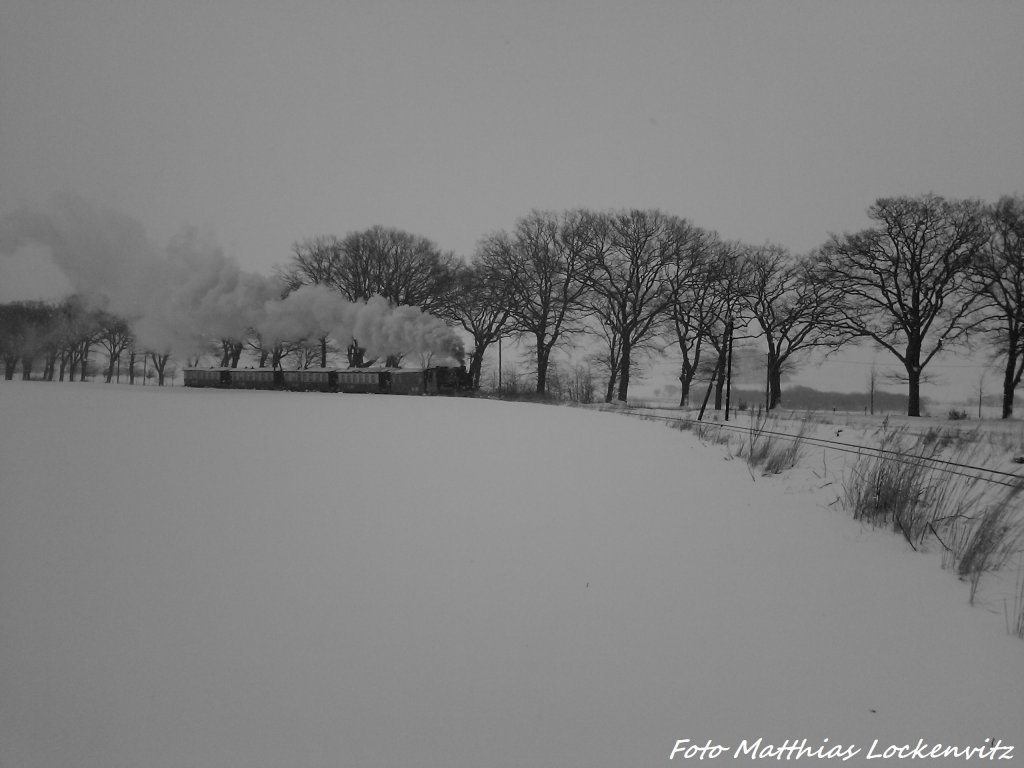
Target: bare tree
793	306
727	323
133	354
314	261
581	384
114	336
609	360
24	329
632	256
272	355
1000	280
403	268
697	302
231	352
905	280
76	330
160	360
480	304
65	336
543	268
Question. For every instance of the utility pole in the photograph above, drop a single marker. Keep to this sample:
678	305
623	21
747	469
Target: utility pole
720	371
872	396
728	367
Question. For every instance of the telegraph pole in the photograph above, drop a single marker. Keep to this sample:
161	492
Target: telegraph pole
728	366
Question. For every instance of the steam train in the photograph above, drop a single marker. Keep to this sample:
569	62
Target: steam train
438	380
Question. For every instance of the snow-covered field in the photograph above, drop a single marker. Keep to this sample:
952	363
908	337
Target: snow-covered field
207	578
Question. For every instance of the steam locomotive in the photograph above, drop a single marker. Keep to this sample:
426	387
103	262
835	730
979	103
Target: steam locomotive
438	380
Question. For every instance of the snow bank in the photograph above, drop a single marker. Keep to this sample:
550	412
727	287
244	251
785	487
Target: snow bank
225	579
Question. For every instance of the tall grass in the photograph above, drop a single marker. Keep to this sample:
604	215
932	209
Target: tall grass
980	527
772	453
901	487
996	536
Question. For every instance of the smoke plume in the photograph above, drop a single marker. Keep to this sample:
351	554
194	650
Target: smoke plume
181	297
313	311
104	254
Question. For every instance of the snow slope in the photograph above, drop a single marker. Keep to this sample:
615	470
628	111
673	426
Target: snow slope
206	578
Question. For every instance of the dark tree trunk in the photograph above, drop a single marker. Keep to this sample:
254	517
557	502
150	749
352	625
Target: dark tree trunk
323	351
1011	378
231	351
913	366
85	360
160	365
50	367
719	378
543	355
624	364
685	379
276	356
914	392
774	384
10	363
613	376
476	361
354	353
687	372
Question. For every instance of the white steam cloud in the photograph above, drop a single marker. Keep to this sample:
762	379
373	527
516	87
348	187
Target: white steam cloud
182	297
313	311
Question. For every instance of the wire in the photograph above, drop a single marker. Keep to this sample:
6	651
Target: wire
1013	480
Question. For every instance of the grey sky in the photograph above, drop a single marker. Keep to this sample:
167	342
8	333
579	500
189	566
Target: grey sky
262	123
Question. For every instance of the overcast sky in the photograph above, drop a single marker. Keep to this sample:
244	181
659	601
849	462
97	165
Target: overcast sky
262	123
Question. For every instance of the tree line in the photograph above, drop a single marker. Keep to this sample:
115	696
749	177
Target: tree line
929	274
59	337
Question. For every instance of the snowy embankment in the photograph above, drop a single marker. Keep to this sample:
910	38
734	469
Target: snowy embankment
206	578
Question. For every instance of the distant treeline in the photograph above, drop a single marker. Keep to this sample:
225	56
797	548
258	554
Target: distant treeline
809	399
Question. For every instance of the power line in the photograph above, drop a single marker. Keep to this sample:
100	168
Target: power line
1013	480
